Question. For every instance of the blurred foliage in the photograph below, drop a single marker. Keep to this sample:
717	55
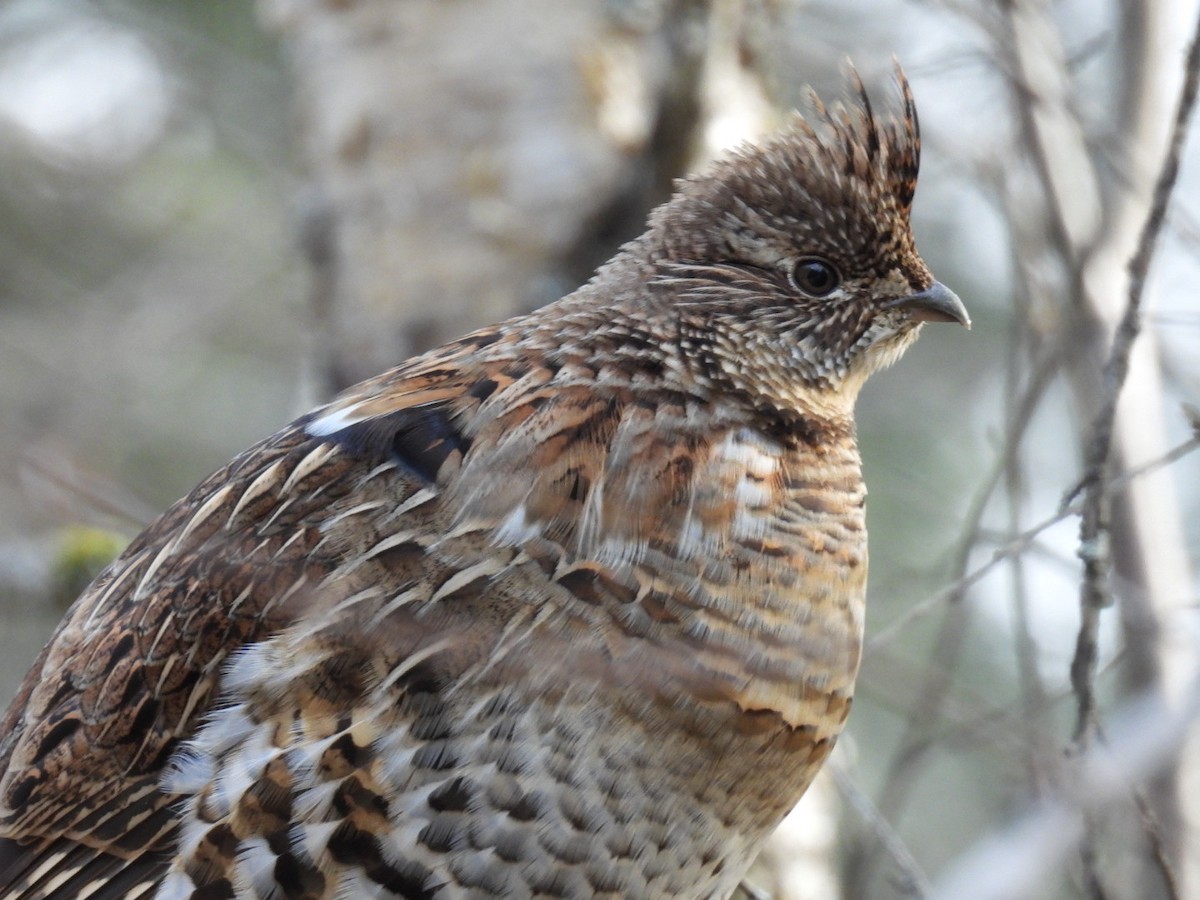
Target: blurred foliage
81	554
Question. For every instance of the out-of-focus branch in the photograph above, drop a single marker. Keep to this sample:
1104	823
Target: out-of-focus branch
1094	536
915	742
529	140
912	880
1019	543
1017	862
1091	228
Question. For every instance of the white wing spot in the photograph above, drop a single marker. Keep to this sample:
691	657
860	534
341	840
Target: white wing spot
334	421
516	529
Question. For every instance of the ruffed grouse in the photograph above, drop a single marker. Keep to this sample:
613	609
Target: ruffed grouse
569	607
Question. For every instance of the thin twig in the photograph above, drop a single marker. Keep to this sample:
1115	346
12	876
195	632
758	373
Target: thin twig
1017	544
1015	862
1154	835
913	880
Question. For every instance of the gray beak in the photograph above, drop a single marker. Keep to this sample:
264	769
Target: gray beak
937	303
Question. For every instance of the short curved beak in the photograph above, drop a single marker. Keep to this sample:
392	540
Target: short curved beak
937	303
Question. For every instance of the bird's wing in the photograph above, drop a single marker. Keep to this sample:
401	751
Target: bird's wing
135	665
425	485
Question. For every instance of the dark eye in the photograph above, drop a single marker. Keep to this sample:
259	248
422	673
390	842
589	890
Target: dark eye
815	277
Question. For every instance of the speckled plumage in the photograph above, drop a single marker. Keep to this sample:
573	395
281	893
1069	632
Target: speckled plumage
569	607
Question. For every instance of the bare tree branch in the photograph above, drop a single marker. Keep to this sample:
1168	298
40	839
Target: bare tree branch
913	882
1018	544
1094	547
1016	862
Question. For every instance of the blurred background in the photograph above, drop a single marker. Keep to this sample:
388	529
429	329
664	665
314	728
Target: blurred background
215	215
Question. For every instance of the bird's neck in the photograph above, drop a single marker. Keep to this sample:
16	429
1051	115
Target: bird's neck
635	340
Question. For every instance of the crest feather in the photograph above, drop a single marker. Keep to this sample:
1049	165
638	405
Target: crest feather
852	155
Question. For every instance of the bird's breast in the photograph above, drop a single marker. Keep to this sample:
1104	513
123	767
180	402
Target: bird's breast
771	573
729	558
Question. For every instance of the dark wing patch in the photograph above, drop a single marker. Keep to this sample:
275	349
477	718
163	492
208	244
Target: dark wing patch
420	438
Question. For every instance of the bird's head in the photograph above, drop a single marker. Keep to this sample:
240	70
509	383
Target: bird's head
790	267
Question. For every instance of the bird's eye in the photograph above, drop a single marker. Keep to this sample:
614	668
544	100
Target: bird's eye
815	277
